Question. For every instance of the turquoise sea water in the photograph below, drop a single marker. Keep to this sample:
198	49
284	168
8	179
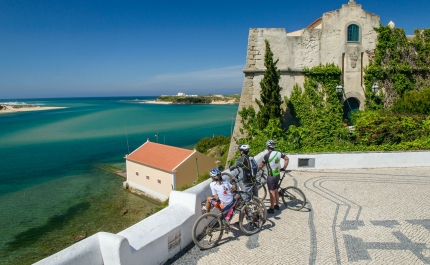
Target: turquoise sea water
47	157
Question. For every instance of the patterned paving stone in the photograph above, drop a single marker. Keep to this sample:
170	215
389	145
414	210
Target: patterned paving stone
361	216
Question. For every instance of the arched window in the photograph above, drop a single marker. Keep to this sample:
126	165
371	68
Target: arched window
353	33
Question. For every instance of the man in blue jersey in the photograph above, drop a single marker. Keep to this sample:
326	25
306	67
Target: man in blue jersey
272	162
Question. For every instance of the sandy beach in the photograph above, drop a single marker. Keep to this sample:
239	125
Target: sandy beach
154	102
231	101
17	108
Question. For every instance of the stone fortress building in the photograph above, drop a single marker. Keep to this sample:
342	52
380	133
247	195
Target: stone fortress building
344	37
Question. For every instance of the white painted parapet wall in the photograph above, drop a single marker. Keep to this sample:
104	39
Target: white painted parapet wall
151	241
358	160
161	236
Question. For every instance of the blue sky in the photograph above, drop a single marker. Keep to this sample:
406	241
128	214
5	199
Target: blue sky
137	48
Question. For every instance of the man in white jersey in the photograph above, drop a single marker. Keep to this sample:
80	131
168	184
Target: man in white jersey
272	162
221	198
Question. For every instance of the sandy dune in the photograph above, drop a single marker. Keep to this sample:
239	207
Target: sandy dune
17	108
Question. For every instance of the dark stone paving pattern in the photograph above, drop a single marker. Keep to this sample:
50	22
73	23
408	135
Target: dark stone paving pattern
363	216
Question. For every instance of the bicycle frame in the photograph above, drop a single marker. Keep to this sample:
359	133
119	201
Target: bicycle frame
238	180
280	181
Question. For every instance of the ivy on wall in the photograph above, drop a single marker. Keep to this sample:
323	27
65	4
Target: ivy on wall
317	108
396	118
398	64
318	112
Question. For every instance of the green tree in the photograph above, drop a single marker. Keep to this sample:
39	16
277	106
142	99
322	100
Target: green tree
270	97
207	143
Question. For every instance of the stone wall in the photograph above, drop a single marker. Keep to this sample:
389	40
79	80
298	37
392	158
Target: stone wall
324	41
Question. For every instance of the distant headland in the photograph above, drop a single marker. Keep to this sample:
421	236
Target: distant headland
181	98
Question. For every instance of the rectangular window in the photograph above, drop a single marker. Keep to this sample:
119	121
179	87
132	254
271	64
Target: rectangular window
147	177
303	162
137	174
306	162
159	181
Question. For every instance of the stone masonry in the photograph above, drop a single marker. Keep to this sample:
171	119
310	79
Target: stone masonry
323	41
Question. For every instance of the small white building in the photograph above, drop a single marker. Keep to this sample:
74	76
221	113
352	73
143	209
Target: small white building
154	170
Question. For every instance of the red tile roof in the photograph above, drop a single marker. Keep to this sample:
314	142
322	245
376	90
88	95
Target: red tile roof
159	156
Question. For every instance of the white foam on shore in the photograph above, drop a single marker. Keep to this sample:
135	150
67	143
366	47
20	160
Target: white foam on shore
16	103
154	102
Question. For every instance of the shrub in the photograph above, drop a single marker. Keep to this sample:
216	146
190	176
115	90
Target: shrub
207	143
417	102
383	127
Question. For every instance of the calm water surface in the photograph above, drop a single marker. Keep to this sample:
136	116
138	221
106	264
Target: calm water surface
47	172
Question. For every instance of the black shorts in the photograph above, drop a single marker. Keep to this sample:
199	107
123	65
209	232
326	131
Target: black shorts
273	182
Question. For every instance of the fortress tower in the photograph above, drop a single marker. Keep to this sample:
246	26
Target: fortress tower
344	37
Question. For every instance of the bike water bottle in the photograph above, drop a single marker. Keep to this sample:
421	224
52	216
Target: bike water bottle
229	214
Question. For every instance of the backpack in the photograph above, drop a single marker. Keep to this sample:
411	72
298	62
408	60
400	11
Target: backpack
254	166
249	173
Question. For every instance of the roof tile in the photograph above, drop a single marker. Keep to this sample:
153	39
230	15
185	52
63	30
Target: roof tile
160	156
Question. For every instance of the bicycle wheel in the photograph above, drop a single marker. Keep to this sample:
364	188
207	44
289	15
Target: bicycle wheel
226	176
293	198
251	218
263	206
207	230
262	192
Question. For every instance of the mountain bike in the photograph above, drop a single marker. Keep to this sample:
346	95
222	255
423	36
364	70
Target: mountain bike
235	179
293	197
209	228
260	181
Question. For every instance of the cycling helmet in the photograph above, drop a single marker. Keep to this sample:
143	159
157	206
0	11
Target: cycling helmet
215	173
270	144
244	147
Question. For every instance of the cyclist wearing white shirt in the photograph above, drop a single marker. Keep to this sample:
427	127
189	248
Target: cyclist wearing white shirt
221	198
272	162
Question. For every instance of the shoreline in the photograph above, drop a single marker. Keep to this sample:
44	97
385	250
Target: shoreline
230	102
154	102
4	108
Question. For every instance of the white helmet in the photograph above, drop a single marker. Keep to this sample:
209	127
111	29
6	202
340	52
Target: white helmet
215	173
271	144
244	147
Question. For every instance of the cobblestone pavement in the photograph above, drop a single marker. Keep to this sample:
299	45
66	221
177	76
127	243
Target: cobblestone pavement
359	216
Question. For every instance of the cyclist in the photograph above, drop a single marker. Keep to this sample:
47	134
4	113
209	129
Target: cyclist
244	162
221	198
272	162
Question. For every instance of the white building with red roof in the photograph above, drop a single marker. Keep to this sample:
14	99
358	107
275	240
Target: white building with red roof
156	169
